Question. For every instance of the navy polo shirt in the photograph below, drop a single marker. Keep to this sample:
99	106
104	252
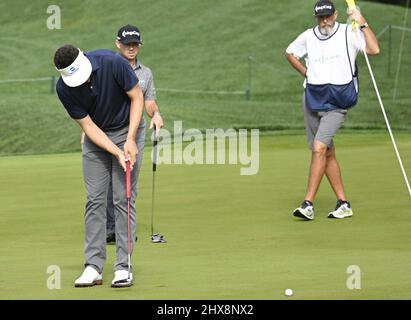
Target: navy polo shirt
104	98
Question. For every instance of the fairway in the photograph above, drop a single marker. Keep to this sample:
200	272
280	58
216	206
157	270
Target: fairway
229	236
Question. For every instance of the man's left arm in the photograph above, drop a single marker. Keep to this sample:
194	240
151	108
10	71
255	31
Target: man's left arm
371	43
153	112
152	108
136	111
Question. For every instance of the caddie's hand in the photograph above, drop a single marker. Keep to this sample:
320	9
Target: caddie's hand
356	15
157	121
130	152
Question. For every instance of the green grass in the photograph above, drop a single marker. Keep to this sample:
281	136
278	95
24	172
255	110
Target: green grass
190	45
229	236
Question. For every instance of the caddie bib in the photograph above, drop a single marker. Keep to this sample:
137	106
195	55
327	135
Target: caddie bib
331	82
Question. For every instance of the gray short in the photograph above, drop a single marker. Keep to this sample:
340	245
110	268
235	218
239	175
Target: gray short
322	126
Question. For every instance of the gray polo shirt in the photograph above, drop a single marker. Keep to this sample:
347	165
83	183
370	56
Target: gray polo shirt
146	83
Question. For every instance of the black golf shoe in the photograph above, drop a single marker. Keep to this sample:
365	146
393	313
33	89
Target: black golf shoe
305	210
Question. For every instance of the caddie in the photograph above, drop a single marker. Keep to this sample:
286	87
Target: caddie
330	89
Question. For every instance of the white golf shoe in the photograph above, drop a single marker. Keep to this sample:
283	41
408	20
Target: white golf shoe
121	279
89	278
304	211
342	210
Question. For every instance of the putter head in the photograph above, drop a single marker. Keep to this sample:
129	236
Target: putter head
122	283
158	238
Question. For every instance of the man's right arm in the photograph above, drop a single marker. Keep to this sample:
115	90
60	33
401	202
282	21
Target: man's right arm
296	63
296	51
99	138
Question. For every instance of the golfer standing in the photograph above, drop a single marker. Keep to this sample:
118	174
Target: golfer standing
100	91
128	43
331	88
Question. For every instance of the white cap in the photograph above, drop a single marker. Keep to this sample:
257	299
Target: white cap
78	72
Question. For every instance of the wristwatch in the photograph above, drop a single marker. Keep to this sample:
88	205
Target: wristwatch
365	25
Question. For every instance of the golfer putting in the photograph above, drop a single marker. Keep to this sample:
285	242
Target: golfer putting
100	91
331	89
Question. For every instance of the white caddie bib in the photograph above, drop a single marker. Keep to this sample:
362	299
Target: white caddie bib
328	59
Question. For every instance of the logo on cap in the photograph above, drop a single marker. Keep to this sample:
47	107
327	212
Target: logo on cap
324	7
72	70
130	33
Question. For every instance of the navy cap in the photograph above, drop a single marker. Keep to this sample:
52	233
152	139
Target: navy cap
324	8
129	34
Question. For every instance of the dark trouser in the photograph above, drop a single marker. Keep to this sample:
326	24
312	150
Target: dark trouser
100	169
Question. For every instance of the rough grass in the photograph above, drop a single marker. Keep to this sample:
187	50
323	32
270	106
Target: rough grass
190	45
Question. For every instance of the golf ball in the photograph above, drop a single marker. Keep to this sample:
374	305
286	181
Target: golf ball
288	292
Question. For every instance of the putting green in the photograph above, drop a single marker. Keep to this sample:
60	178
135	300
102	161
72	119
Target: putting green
229	236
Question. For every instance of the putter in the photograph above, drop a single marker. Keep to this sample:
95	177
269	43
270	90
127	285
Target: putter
158	237
128	195
127	282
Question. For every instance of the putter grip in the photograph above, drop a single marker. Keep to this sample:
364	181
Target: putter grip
128	180
155	155
155	142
